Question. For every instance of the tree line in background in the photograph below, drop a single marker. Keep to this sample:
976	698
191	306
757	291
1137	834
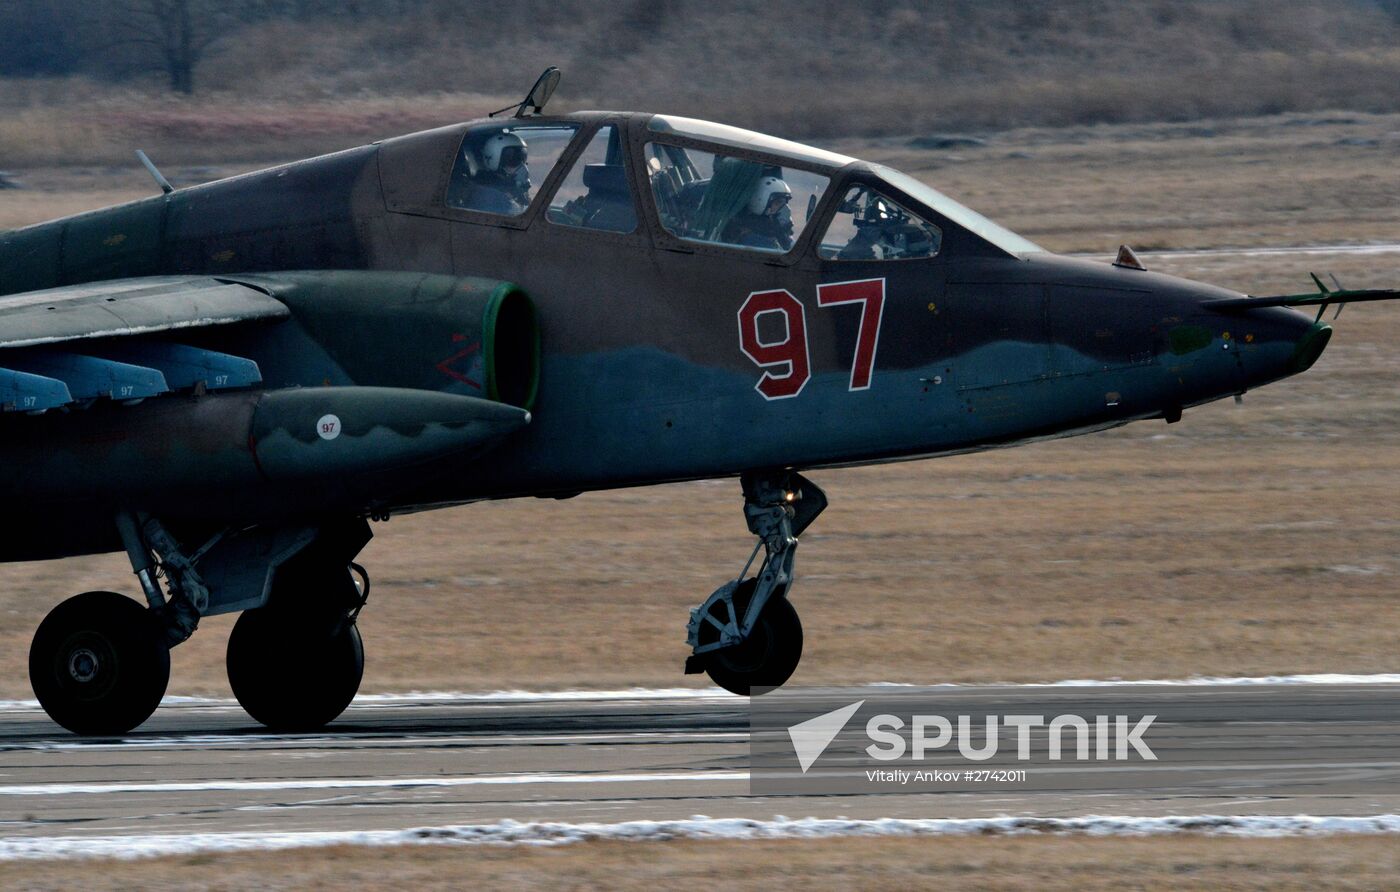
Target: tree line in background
133	39
810	65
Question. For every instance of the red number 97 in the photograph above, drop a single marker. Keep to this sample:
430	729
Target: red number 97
788	356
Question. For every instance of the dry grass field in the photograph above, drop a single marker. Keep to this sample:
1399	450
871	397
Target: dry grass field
1254	539
987	864
806	68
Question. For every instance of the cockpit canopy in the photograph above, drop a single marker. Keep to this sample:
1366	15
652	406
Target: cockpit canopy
745	139
712	184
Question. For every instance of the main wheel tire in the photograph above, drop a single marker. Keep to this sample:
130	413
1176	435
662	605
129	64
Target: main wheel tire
768	657
99	664
293	672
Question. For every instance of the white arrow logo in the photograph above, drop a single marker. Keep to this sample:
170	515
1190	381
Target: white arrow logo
811	738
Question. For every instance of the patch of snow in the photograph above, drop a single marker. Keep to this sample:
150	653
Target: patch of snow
548	833
428	698
1203	680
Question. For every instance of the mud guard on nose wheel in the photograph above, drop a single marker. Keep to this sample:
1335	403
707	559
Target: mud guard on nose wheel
765	659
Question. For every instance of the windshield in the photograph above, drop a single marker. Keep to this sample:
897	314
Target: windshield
728	200
746	139
500	167
965	217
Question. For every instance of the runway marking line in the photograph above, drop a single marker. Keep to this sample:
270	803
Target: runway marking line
365	783
452	698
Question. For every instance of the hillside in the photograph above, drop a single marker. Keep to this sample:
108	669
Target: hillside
805	69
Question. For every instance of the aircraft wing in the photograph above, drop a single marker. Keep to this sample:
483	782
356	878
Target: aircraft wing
50	356
129	307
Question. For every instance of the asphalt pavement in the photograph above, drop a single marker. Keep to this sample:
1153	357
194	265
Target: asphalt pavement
205	767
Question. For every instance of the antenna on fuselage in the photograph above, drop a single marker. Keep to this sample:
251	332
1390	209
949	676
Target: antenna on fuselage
539	94
156	175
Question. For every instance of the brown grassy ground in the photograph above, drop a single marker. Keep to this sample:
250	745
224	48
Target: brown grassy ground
1083	864
1254	539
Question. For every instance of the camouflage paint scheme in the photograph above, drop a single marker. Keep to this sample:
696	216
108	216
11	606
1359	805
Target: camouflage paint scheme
641	378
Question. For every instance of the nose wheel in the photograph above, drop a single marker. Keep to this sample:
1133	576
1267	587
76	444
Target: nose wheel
99	663
766	657
747	636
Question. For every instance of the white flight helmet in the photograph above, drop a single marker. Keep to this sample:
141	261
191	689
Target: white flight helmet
764	192
504	148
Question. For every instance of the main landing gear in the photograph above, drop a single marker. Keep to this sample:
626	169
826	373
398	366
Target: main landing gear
295	664
100	662
746	635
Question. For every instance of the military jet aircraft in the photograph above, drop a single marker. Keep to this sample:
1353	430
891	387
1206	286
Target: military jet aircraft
230	381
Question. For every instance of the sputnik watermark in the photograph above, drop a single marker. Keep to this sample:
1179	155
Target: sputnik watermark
895	739
1112	738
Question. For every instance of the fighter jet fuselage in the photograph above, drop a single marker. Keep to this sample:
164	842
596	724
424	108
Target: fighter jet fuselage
229	381
645	371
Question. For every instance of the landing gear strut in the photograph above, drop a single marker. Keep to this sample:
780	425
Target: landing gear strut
746	635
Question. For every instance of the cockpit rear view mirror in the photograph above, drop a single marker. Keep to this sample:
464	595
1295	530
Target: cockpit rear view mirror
540	93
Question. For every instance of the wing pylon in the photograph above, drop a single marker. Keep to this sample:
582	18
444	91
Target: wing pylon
68	347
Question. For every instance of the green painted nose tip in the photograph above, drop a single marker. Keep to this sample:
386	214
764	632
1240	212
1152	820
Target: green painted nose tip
1309	347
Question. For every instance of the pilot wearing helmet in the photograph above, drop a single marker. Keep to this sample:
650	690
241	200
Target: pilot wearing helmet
766	221
499	180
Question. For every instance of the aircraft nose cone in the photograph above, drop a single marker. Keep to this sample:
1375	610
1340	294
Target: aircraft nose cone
1309	347
1275	343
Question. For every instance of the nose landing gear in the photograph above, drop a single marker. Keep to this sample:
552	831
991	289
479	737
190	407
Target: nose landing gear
746	635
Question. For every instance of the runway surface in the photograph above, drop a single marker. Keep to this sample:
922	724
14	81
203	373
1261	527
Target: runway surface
1373	248
1258	749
